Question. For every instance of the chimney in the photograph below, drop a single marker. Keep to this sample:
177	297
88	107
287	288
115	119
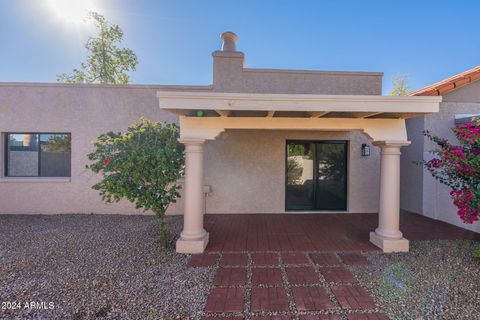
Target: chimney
227	64
229	41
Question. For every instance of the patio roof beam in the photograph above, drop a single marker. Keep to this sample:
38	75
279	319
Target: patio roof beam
368	115
318	114
208	128
223	113
314	104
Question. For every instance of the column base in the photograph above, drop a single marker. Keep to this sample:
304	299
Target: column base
192	246
389	245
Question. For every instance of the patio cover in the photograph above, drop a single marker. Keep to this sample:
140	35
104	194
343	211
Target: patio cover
204	115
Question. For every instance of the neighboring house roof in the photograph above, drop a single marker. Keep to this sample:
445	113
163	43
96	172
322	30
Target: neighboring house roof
450	84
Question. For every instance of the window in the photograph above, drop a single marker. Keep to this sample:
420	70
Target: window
38	155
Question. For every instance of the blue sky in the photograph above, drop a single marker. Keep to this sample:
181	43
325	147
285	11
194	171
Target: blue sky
426	40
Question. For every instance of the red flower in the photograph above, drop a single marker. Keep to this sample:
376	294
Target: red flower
106	162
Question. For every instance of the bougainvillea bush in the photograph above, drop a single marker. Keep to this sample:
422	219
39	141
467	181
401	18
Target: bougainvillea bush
458	166
141	165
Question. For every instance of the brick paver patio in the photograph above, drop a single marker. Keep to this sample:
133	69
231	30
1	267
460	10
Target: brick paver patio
253	284
297	266
230	277
337	274
267	276
269	299
225	300
352	297
315	232
202	260
311	299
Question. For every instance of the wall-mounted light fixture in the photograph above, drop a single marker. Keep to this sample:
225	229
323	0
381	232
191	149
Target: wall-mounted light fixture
365	150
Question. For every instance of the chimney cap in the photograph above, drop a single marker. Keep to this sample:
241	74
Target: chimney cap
229	40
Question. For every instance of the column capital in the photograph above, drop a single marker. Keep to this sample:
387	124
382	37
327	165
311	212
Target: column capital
391	143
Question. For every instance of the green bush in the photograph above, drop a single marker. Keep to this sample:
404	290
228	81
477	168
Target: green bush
141	165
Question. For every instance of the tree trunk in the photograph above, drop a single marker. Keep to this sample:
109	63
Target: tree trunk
163	228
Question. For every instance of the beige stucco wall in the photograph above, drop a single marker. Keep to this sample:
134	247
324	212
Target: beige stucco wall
246	170
436	201
230	75
83	111
411	187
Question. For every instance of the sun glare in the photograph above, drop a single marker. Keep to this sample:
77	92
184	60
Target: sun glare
72	11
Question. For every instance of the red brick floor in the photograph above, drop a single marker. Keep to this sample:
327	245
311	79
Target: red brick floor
318	254
202	260
337	274
352	297
315	232
311	299
230	277
367	316
226	300
302	275
295	258
325	259
234	259
265	259
321	317
266	276
269	299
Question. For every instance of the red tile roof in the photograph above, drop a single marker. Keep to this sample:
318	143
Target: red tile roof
450	84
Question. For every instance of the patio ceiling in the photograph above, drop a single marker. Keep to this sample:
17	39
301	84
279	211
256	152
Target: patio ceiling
248	105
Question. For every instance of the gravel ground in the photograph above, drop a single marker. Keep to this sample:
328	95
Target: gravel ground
112	267
435	280
94	267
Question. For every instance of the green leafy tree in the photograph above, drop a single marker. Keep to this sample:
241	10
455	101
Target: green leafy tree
401	87
141	165
106	61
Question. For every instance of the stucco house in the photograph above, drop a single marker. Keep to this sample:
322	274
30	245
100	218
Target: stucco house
420	192
256	141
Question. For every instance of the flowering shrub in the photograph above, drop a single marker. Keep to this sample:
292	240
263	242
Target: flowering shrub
457	166
141	165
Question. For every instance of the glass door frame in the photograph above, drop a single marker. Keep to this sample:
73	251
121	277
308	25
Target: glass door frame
315	173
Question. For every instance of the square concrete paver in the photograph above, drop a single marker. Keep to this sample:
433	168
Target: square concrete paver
266	276
234	259
321	317
311	299
269	299
230	277
265	259
353	297
302	275
202	260
337	274
325	259
354	259
225	300
295	258
367	316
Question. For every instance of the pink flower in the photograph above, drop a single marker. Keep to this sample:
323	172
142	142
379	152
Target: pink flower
106	162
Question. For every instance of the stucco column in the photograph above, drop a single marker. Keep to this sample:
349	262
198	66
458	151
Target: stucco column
193	238
388	236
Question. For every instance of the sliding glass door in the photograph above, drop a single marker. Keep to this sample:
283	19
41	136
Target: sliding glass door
316	175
